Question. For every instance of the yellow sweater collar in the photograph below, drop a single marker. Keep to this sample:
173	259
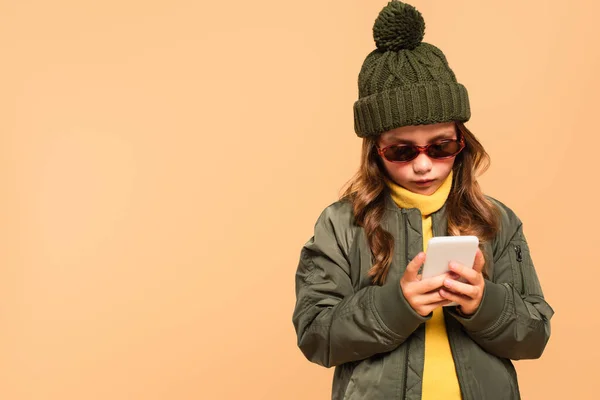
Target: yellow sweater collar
426	204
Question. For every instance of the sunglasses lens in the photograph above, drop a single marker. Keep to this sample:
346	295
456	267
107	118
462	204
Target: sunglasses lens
405	153
400	153
444	149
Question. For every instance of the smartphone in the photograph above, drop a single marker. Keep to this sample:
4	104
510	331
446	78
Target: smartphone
443	249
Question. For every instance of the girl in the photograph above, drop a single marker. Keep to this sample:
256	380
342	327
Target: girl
361	304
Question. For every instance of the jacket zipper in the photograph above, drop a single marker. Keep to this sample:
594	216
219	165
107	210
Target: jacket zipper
519	255
458	366
451	341
405	378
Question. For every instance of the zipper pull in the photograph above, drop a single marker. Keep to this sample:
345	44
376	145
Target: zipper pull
519	253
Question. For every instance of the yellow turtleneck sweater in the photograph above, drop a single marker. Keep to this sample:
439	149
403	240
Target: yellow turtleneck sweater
439	374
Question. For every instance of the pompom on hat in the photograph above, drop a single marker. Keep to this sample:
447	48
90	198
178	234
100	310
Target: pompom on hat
405	81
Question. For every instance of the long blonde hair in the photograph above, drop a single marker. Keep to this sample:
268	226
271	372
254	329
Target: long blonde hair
468	211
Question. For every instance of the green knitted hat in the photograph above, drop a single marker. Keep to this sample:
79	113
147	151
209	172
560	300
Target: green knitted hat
405	81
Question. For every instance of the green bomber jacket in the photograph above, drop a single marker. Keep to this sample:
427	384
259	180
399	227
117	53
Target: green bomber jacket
373	337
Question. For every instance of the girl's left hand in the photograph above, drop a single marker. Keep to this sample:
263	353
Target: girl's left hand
468	295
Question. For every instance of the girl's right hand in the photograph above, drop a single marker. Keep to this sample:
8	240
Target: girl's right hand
423	294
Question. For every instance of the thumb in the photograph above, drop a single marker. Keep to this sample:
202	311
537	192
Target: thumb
479	261
413	267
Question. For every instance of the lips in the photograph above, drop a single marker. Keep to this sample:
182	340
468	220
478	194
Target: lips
423	181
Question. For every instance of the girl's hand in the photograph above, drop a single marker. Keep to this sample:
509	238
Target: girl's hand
468	295
423	295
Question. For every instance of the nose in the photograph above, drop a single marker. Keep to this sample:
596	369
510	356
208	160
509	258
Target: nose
422	164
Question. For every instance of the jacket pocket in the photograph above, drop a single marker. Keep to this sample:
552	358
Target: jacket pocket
523	273
341	379
516	258
366	380
379	377
511	375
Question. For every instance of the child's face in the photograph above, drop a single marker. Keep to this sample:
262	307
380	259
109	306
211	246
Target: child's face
423	175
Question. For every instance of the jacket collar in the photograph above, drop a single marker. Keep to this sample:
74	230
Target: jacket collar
440	222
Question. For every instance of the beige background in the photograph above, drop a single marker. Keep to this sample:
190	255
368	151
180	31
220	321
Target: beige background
162	163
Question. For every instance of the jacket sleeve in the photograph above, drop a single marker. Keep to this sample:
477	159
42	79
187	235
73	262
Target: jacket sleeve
334	323
513	319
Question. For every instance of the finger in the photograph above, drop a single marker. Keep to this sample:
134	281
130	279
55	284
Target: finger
430	307
453	297
428	298
469	274
461	288
412	269
479	261
453	275
430	284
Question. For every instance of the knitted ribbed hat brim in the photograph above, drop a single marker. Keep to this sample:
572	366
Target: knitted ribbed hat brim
414	104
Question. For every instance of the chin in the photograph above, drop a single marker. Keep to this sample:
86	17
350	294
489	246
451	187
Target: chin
425	191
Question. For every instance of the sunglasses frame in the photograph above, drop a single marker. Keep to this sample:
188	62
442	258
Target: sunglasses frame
420	150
